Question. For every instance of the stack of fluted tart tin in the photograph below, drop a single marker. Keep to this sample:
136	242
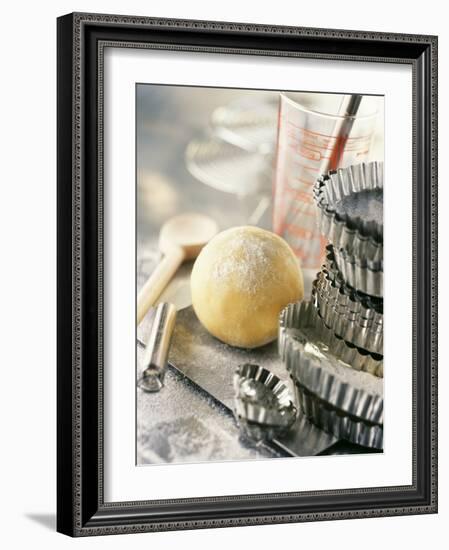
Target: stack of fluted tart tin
333	345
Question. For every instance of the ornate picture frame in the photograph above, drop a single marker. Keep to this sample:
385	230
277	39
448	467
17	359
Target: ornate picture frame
81	507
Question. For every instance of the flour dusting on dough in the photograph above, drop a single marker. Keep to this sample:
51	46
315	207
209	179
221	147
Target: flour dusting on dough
250	262
240	282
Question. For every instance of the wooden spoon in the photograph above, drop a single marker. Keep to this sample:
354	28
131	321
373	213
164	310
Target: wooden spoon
181	238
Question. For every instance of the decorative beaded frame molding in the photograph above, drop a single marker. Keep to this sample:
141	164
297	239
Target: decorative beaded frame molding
81	510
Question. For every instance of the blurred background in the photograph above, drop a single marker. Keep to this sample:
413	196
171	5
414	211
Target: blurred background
212	150
169	119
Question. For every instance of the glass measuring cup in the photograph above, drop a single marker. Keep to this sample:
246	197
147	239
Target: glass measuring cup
308	145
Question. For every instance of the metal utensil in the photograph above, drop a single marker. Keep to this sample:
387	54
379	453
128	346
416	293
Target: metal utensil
156	351
263	406
343	126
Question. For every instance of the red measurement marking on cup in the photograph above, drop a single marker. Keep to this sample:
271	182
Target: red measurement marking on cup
309	252
309	153
303	184
303	195
296	209
315	145
302	154
314	133
302	166
314	151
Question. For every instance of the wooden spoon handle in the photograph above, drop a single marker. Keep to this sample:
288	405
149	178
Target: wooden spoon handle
158	280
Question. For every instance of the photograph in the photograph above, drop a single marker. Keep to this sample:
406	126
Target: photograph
222	355
259	274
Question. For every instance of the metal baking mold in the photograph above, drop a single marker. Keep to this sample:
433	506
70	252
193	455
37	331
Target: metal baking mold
338	423
355	317
359	273
318	366
360	237
304	317
355	393
263	406
330	280
366	305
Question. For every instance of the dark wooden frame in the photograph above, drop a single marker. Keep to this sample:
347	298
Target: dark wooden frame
81	509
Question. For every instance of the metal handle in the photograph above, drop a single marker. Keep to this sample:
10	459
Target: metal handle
343	126
156	351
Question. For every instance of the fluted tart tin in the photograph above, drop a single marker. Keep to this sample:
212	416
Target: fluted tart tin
263	405
302	317
318	366
336	397
353	316
350	205
361	274
342	426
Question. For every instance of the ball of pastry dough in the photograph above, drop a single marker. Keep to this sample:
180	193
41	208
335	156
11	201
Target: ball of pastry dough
240	282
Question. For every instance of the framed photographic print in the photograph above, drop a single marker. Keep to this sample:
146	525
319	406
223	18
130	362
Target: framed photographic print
229	349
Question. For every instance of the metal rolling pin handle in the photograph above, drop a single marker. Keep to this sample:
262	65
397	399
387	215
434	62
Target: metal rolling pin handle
156	351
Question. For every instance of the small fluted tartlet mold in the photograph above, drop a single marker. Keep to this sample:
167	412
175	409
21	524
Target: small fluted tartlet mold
361	274
351	315
318	367
359	237
263	405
